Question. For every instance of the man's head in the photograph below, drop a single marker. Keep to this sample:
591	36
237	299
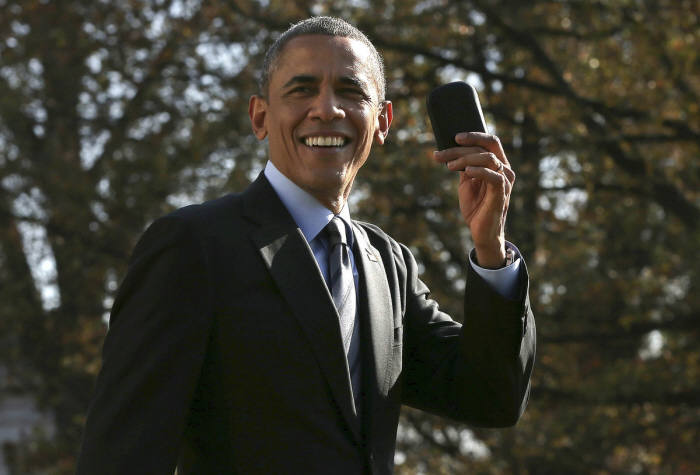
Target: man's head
321	112
322	25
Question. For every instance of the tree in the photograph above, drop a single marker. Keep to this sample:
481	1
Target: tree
114	114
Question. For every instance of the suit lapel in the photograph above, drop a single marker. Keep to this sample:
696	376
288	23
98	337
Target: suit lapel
375	308
291	263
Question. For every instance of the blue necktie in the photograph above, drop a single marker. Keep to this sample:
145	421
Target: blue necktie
342	286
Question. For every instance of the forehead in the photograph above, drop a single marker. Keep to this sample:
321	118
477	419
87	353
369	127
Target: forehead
322	56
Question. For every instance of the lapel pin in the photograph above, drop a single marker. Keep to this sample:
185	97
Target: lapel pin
371	256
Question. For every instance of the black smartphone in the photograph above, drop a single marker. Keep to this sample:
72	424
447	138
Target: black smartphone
454	108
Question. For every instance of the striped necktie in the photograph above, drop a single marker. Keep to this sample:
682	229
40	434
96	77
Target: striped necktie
342	286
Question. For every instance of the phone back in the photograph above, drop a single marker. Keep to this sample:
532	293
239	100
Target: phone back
454	108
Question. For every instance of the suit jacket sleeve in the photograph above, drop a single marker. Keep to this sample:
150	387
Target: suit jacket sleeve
477	372
152	356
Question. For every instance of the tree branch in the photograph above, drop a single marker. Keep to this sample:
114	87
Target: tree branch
417	424
552	395
680	323
667	195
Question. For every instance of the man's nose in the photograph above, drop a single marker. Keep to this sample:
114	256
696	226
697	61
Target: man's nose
327	106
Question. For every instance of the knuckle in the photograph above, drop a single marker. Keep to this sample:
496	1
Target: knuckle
491	138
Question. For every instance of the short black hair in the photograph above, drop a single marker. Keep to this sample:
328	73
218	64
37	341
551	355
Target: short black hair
321	25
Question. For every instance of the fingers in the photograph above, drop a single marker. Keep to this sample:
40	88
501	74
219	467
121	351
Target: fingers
479	150
459	159
462	158
488	176
489	142
509	174
500	186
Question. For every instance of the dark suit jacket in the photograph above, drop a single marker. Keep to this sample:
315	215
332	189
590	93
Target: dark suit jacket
224	352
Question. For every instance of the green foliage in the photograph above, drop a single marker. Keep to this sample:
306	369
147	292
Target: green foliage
113	113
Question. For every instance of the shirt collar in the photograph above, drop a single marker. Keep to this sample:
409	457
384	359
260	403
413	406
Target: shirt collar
310	215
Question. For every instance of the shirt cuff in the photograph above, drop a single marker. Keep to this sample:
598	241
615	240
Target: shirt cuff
505	280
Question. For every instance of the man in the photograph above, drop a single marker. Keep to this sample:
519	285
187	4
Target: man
267	332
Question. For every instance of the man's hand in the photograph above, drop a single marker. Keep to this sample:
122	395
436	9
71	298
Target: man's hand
485	183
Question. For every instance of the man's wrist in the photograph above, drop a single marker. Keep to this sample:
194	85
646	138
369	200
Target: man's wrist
505	280
491	258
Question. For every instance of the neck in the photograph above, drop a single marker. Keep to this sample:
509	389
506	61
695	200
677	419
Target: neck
333	199
334	204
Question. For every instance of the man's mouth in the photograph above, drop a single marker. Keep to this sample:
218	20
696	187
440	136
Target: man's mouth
324	141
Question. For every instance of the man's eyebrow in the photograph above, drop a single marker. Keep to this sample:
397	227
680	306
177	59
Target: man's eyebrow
309	79
301	79
354	81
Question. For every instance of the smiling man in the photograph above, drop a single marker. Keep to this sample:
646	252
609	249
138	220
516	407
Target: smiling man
321	116
269	332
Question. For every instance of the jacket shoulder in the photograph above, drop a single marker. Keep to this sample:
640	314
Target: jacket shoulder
190	223
208	211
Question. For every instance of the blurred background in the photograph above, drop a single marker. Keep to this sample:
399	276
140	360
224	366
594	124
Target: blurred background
115	112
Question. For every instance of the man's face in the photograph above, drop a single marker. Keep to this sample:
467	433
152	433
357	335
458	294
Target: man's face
321	114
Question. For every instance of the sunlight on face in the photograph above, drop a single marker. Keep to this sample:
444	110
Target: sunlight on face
322	114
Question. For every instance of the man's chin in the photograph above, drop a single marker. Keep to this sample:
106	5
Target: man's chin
330	180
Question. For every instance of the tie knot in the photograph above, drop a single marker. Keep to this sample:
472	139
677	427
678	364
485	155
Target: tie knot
336	232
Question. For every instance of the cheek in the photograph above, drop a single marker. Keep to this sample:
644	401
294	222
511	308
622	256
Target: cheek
284	136
285	121
364	145
367	123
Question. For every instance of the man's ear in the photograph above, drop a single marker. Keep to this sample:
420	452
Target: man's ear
384	122
257	110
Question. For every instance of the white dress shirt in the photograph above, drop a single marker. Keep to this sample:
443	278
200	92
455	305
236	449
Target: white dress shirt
311	217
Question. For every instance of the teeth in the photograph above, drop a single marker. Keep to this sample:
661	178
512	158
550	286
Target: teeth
324	141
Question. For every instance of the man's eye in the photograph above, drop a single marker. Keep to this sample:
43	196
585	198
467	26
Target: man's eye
301	90
353	92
